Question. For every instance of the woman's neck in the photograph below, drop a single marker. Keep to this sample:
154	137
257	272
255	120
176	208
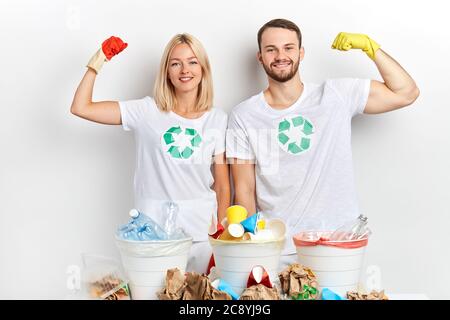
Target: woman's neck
186	105
186	102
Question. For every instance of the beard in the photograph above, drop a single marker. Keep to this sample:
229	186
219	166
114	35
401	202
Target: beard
284	75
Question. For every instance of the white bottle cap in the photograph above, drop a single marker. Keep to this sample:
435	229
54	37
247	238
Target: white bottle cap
134	213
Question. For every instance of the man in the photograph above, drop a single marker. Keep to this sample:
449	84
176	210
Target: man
291	144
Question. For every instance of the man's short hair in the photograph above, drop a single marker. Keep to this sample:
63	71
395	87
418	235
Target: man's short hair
280	23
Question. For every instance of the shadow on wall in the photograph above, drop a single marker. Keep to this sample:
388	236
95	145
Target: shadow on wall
250	78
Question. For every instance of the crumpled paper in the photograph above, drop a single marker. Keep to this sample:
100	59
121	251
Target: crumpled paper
373	295
299	282
198	287
260	292
189	286
175	285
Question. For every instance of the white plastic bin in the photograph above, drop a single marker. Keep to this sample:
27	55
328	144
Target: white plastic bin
235	259
146	262
337	264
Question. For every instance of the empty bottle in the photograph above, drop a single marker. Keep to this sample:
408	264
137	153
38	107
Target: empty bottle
353	230
141	228
170	210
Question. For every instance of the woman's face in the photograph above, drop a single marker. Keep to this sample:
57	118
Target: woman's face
184	71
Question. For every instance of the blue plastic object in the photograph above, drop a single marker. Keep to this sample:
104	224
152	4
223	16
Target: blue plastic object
141	228
327	294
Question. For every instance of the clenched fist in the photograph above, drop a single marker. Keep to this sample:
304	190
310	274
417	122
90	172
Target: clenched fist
346	41
110	47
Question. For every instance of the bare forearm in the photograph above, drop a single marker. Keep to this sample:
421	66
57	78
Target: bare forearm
244	184
223	202
395	77
83	95
247	199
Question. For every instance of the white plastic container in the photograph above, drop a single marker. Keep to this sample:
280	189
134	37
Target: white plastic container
146	262
337	264
235	259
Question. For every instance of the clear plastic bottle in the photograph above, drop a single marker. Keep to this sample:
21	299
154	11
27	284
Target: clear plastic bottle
170	209
353	230
129	230
141	228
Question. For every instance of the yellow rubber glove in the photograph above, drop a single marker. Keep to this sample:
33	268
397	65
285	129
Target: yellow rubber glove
346	41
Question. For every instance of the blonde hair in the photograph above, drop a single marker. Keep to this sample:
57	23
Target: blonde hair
164	91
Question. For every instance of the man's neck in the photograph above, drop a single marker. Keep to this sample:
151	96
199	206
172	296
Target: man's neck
281	95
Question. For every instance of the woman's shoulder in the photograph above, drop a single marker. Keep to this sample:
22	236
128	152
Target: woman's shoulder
145	101
150	104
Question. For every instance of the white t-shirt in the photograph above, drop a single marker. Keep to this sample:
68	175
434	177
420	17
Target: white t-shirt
173	162
304	170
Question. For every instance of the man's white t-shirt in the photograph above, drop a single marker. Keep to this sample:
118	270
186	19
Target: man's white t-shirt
174	162
304	170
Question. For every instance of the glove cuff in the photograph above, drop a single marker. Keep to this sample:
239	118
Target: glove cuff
97	60
372	49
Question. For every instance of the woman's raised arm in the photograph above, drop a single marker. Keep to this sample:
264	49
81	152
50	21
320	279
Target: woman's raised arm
105	112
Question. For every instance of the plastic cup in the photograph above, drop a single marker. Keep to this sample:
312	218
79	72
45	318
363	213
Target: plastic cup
236	214
236	230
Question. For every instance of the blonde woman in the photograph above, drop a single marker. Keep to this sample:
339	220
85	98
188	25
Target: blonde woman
180	139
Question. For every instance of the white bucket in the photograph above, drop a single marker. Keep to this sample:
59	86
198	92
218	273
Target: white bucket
146	262
336	268
235	259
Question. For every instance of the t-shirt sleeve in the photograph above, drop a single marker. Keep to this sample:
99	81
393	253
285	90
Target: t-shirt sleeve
354	93
237	140
133	112
222	124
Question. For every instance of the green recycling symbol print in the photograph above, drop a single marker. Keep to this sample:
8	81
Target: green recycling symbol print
294	134
180	142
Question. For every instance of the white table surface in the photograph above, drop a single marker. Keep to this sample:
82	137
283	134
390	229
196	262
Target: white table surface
407	296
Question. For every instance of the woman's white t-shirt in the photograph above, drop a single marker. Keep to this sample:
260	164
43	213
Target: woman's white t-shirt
173	162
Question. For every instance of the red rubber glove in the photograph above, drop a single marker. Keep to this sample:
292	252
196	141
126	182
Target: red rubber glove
113	46
110	47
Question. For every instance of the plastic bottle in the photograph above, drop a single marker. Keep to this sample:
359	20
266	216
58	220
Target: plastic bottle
173	232
353	230
129	230
141	228
171	211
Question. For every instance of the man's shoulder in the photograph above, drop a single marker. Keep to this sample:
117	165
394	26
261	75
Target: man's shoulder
247	106
342	86
338	83
218	114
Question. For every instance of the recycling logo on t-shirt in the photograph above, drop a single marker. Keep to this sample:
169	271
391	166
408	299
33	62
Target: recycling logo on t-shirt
294	134
180	142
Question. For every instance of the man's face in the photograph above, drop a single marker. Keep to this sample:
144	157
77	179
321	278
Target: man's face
280	53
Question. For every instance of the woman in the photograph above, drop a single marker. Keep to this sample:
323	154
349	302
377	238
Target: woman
179	136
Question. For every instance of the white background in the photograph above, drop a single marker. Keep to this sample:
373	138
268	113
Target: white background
66	183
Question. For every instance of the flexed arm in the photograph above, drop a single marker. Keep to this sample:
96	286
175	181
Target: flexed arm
106	112
398	90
